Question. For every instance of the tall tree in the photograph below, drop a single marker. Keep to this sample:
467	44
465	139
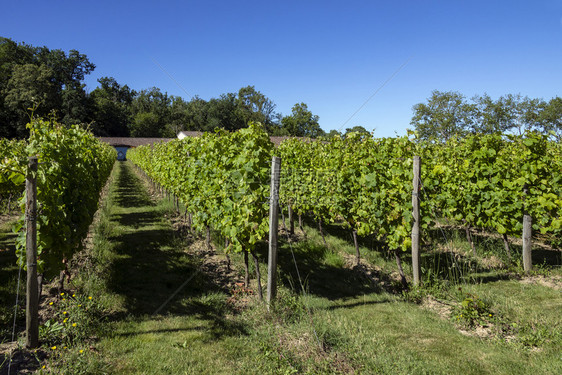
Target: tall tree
30	87
252	105
222	113
446	114
301	122
550	117
112	108
147	124
50	79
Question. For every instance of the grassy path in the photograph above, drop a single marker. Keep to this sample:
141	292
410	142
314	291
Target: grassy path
345	324
8	281
144	262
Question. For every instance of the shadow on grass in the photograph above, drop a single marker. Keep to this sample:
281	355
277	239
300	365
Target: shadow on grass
457	268
357	304
319	277
345	234
492	244
130	192
150	265
449	266
8	285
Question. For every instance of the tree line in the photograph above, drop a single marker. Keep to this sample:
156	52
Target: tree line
50	81
450	114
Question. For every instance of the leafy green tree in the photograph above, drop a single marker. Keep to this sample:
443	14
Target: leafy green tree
177	116
146	124
510	113
222	113
111	108
30	86
302	123
254	106
50	79
196	114
446	114
357	129
550	117
157	107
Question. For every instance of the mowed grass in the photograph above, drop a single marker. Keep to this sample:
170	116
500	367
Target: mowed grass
329	318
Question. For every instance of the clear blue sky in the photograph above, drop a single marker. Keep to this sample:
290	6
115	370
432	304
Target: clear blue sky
332	55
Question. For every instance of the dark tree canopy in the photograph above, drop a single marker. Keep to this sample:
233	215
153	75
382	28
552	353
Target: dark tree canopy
40	78
51	82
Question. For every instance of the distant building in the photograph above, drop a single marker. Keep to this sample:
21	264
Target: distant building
183	134
123	144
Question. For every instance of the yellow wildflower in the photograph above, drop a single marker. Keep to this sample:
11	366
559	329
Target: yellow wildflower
74	324
62	294
81	351
64	313
90	297
50	304
54	348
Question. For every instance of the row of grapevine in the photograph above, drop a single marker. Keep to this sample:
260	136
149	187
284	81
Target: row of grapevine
358	180
484	181
489	181
222	179
10	190
73	168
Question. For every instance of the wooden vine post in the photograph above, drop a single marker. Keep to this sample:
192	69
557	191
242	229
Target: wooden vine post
32	290
273	228
527	239
416	221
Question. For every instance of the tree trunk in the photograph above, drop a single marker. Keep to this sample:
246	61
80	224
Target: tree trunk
291	220
208	238
469	239
40	284
228	262
258	275
283	219
246	269
400	269
357	253
226	244
506	246
322	232
300	226
64	273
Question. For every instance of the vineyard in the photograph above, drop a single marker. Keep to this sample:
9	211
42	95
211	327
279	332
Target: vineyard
353	198
482	182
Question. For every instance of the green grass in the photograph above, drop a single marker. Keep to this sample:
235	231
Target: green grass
343	322
8	283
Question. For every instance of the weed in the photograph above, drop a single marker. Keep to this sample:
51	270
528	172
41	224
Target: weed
76	361
473	311
288	307
76	318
